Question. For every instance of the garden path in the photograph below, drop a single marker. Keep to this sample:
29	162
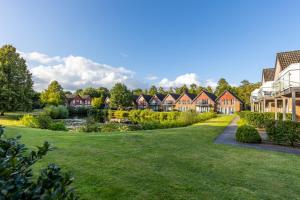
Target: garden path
228	137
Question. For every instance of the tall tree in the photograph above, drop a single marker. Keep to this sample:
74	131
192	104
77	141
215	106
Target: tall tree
137	91
161	90
120	96
152	90
15	81
182	89
193	89
222	86
209	89
92	92
170	90
244	91
53	95
103	92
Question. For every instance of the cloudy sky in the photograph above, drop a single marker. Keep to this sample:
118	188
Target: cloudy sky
140	43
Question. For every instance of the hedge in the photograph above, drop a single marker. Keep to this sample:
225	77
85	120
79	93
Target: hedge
247	134
283	132
258	119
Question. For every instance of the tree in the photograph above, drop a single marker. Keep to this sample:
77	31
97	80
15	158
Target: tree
182	89
120	96
137	91
36	100
103	92
17	180
15	81
170	90
152	90
161	90
97	102
53	95
244	91
193	88
209	89
92	92
222	86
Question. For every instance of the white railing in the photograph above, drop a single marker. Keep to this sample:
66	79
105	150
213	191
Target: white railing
288	78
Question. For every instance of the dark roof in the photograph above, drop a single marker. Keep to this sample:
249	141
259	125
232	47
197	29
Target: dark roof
231	94
174	95
268	74
287	58
146	97
72	96
160	96
85	96
210	95
191	96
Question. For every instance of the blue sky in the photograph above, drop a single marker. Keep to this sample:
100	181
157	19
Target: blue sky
151	40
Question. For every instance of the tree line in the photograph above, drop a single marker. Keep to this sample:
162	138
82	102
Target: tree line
17	94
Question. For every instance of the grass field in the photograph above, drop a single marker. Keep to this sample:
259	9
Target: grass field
180	163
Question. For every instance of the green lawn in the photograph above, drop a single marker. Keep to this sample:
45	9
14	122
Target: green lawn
180	163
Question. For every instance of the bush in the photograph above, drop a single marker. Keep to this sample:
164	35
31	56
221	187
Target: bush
44	121
247	134
29	121
58	126
283	132
98	115
57	112
17	181
80	111
115	127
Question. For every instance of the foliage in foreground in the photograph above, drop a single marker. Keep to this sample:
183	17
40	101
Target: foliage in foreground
247	134
42	121
16	178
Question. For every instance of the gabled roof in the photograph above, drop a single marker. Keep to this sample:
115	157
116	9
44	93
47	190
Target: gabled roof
159	96
85	96
72	96
191	96
231	94
173	95
268	74
210	95
146	97
287	58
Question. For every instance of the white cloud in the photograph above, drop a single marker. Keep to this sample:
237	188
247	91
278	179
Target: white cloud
74	72
151	77
187	79
211	83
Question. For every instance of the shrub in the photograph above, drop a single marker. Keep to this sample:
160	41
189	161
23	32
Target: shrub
115	127
29	121
81	111
17	181
57	112
247	134
90	126
98	115
44	121
283	132
58	126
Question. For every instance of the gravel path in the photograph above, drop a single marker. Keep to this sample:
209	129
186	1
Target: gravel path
228	137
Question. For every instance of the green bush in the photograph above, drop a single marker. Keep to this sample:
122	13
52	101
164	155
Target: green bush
247	134
17	180
29	121
58	126
57	112
116	127
98	115
80	111
44	121
283	132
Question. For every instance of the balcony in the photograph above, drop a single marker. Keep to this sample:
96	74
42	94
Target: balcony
288	78
266	90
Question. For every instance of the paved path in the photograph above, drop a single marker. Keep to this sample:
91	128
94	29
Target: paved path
228	137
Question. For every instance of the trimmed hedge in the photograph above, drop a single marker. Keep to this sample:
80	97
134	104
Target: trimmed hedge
258	119
247	134
283	132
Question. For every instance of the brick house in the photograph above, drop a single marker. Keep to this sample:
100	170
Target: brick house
77	100
205	102
228	103
169	101
155	102
143	101
184	102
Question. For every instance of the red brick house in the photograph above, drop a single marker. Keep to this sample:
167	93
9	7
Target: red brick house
77	100
184	102
155	102
169	101
205	102
228	103
143	101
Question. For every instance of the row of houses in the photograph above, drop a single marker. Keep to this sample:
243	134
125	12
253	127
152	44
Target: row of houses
226	103
280	89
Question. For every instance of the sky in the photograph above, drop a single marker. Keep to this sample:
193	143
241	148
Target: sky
143	42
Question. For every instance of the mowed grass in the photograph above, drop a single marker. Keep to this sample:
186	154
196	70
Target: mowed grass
180	163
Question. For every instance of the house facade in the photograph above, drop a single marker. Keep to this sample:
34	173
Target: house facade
169	102
155	102
185	102
285	87
143	101
77	100
205	102
228	103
